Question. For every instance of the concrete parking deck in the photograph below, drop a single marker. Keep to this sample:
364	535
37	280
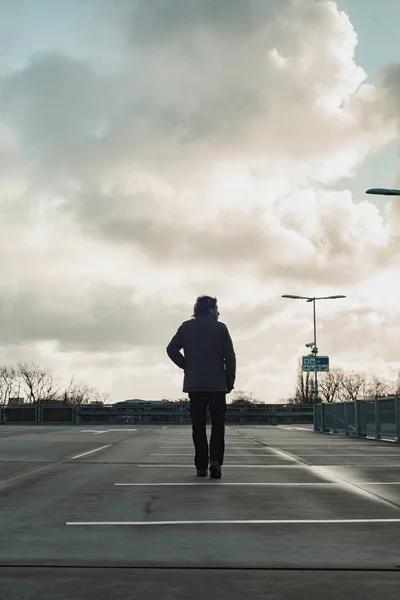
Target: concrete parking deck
112	512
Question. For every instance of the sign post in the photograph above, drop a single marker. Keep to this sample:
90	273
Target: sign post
315	363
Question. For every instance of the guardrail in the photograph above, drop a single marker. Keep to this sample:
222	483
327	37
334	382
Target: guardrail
150	414
373	418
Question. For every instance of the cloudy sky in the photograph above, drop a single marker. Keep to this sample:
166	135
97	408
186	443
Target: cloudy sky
155	150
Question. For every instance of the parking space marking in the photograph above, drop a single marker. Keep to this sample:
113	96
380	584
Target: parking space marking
90	452
354	487
378	482
97	432
234	522
264	454
122	429
308	429
246	483
291	440
191	447
190	466
306	447
350	454
94	431
29	473
282	454
355	465
364	449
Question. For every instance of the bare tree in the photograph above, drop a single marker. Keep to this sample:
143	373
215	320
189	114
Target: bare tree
340	386
329	384
241	397
376	388
40	383
10	383
81	393
99	396
305	387
289	400
353	387
394	387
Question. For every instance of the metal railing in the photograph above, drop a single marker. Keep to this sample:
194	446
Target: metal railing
376	418
151	414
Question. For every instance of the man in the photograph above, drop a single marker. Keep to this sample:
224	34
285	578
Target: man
210	371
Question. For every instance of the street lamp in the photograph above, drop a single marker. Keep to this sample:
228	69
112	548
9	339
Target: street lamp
315	349
383	192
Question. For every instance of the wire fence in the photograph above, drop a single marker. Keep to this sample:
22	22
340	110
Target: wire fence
373	418
152	413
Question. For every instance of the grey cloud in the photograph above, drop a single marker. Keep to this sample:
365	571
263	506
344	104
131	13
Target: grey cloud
392	210
389	86
389	83
198	83
128	220
226	93
169	103
165	22
248	317
351	332
104	319
141	222
162	21
57	107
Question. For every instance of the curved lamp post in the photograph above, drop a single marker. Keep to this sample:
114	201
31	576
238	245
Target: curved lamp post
383	192
315	349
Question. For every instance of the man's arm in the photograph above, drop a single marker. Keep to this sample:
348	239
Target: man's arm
173	350
230	360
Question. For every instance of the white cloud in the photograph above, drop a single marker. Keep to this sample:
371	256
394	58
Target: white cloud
203	159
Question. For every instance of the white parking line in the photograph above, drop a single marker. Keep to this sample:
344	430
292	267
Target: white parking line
333	447
349	454
235	522
97	432
29	473
189	466
282	454
90	452
377	482
289	439
230	448
218	483
239	455
356	465
308	429
339	447
121	429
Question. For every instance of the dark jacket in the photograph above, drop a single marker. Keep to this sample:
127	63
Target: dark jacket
210	361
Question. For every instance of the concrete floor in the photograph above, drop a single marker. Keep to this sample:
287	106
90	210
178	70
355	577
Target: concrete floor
110	512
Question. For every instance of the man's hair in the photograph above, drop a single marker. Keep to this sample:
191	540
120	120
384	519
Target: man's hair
204	305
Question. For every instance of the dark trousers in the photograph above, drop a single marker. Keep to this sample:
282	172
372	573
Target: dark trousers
216	401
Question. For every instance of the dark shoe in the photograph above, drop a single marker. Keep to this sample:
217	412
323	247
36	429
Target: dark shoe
201	472
215	470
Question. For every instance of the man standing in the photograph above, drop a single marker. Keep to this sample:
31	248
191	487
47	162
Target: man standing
210	371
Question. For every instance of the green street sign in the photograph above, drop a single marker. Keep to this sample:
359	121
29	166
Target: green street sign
315	363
